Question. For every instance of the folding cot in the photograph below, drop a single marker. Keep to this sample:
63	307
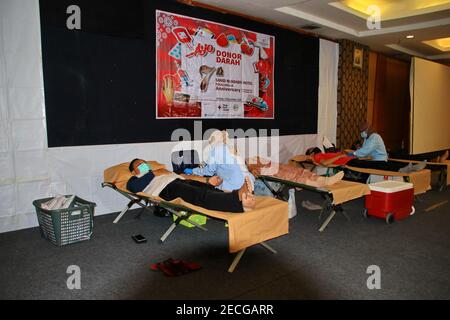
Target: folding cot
420	179
442	167
268	220
333	196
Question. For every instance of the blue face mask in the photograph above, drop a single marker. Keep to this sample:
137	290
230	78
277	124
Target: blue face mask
364	134
143	168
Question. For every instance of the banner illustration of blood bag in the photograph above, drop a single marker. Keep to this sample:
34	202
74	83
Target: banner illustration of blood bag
210	70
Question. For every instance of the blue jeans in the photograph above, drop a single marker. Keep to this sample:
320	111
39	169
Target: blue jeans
261	189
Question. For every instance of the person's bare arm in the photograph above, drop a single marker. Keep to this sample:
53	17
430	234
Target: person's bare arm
215	180
194	177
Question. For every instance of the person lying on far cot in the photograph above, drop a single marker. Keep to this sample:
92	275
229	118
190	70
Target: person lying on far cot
342	158
290	173
371	155
199	191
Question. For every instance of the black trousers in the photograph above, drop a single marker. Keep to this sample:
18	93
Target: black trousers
378	165
202	195
418	157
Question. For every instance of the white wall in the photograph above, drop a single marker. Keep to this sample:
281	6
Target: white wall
430	107
30	170
328	82
24	173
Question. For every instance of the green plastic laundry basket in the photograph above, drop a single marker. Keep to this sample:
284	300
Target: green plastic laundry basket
66	226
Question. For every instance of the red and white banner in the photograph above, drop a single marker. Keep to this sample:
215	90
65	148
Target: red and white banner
210	70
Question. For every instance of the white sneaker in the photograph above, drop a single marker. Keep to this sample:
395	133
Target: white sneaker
406	169
310	206
419	166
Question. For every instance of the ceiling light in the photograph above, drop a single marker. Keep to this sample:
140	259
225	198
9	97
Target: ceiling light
442	44
428	4
389	9
409	36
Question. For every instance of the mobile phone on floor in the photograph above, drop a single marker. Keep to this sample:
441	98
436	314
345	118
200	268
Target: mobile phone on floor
139	238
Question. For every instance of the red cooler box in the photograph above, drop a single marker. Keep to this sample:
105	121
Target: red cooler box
390	200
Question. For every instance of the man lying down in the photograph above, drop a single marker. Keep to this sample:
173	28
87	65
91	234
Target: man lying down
199	191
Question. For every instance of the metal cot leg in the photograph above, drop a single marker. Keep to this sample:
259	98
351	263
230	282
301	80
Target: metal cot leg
179	218
442	181
128	206
239	255
236	261
327	221
265	245
168	232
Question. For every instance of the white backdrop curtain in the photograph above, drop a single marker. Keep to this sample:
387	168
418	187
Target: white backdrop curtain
328	82
29	170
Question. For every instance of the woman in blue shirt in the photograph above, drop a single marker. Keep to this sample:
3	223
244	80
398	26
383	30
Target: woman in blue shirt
223	162
227	164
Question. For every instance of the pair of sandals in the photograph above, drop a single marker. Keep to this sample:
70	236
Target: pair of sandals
173	267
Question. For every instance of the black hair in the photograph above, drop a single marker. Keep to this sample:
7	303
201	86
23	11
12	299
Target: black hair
356	145
331	149
313	150
131	167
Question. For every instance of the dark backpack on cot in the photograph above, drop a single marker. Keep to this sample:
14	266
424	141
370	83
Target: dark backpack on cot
332	149
184	159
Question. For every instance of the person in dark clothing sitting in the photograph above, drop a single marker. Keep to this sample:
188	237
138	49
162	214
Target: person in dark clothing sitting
198	191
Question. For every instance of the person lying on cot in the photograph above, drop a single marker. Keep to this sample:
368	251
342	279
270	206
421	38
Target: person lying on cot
343	158
199	191
224	161
288	172
371	155
327	159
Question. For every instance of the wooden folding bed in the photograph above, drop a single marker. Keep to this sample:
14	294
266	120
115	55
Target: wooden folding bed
420	179
333	196
268	220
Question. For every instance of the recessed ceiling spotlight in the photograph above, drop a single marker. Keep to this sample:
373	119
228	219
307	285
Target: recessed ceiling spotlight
409	36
